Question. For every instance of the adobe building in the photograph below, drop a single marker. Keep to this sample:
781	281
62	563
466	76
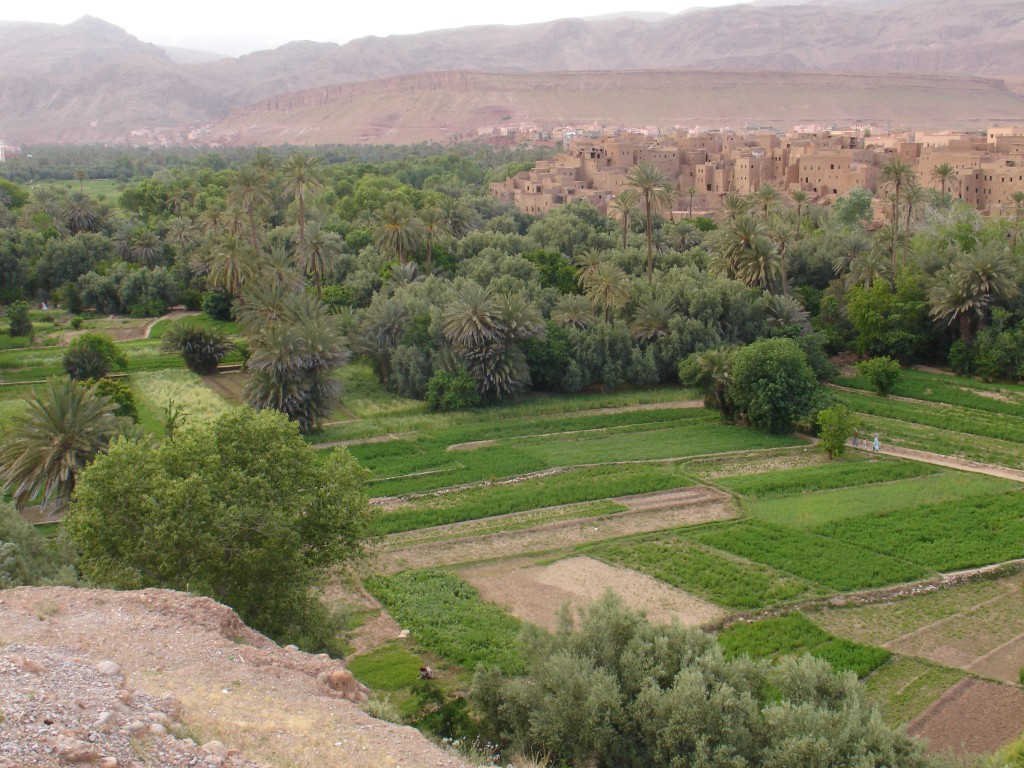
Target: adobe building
825	164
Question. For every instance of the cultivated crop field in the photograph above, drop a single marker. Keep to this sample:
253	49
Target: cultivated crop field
532	509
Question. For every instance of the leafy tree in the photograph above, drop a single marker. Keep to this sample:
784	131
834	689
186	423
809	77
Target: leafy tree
620	692
837	424
93	356
201	348
882	372
240	509
65	426
19	323
773	384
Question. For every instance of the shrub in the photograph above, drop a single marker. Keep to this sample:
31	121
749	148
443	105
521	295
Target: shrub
217	305
622	692
26	557
17	316
882	372
93	356
452	391
76	322
201	348
837	424
121	393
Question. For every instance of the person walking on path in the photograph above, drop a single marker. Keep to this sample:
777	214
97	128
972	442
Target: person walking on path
875	446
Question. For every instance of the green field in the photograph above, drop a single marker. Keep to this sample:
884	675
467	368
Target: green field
727	581
446	616
796	634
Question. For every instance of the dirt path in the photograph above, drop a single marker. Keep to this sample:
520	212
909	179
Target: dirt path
645	512
942	460
133	330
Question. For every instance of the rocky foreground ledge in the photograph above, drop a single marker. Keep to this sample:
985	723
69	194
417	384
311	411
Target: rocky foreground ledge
162	678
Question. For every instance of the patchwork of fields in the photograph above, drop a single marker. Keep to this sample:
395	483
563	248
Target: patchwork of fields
492	518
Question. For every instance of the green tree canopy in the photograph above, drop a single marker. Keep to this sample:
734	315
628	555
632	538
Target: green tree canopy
621	692
240	509
773	384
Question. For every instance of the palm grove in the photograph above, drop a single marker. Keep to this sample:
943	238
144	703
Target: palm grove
457	300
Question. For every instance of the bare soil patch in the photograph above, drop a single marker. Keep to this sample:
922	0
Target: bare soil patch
973	717
235	685
535	593
646	512
228	385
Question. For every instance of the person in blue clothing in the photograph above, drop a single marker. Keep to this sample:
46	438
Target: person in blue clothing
875	446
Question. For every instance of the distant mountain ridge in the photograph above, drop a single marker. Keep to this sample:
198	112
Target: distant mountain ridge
91	81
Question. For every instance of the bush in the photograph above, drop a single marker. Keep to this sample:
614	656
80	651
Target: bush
201	348
837	425
217	305
121	393
17	316
773	384
26	557
76	322
622	692
452	391
882	372
93	356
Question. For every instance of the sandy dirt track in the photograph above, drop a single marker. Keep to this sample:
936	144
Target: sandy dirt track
535	592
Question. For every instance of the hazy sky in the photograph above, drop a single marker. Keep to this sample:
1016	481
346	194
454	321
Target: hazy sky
235	28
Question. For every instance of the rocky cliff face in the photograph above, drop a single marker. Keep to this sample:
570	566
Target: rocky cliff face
90	81
161	678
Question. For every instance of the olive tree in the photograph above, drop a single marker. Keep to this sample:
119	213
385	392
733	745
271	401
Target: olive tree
773	384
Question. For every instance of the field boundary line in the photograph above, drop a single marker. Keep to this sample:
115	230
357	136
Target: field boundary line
377	500
881	594
943	460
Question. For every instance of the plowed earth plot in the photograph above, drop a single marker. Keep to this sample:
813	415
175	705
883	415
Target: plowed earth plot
644	513
976	627
973	717
535	593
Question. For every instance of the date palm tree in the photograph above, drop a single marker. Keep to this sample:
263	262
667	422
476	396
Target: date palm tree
231	264
319	255
79	213
767	200
783	229
434	225
608	285
894	176
943	174
655	192
397	229
248	190
573	311
623	206
955	300
800	197
294	361
299	180
64	426
652	319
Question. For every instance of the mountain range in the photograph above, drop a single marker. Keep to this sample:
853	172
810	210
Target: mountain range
916	62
